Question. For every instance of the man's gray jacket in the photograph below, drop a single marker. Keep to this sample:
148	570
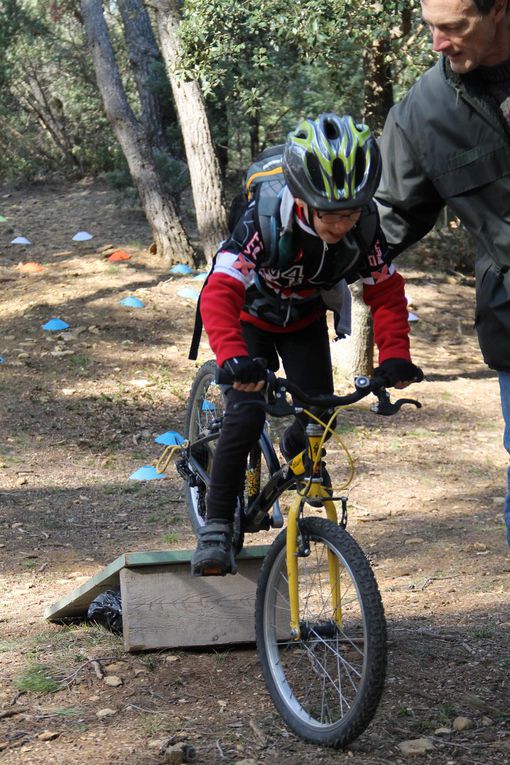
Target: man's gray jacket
443	144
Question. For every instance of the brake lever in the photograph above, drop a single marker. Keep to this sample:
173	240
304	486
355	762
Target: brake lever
387	407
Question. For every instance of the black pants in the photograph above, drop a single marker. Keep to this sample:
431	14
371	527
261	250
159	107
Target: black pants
307	362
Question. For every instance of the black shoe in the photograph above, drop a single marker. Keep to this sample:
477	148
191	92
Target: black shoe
214	555
288	454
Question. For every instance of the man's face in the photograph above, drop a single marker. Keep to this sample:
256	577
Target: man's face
466	38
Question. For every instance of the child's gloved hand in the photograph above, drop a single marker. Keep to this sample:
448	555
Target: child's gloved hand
398	373
245	370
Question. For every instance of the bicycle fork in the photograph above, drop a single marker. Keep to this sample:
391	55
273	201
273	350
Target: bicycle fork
294	550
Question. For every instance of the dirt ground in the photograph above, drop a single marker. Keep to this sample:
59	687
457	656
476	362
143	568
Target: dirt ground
79	412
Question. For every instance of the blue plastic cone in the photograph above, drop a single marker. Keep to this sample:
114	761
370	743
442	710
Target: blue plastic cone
170	438
181	268
132	302
146	473
55	325
188	292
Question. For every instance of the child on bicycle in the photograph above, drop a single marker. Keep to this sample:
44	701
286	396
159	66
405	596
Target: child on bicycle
252	311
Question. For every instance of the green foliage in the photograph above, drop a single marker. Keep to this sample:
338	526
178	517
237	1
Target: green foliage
270	62
51	114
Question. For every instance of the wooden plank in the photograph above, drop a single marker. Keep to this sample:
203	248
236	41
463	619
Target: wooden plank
77	602
169	557
165	607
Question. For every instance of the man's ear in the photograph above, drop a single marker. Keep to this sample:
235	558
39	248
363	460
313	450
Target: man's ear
500	9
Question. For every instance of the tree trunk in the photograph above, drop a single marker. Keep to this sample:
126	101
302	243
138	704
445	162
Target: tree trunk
203	164
169	236
378	97
254	135
355	355
147	65
50	115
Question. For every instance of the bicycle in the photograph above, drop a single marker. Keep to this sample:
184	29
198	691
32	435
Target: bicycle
319	619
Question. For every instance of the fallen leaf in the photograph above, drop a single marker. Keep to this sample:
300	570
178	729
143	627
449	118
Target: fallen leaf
30	268
462	723
48	735
113	681
106	713
119	255
416	746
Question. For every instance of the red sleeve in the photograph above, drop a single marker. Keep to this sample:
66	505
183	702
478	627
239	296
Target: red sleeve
388	305
221	301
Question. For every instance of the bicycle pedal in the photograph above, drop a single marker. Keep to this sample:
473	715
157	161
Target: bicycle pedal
209	571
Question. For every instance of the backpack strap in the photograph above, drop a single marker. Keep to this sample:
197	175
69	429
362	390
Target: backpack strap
366	232
199	324
267	211
197	333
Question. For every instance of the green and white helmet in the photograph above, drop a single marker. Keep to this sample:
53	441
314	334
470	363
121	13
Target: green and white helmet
332	163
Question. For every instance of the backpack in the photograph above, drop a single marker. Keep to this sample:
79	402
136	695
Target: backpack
264	182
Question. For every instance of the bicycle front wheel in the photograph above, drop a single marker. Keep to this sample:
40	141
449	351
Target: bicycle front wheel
327	684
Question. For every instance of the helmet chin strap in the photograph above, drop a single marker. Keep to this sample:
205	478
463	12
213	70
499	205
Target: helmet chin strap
305	212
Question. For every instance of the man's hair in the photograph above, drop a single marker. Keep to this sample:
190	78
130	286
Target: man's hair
484	6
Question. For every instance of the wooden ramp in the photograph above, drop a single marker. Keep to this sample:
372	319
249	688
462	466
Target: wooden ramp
163	606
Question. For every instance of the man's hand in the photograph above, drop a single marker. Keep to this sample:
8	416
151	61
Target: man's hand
398	373
249	375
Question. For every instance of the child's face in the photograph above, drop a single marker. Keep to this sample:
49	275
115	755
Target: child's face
333	226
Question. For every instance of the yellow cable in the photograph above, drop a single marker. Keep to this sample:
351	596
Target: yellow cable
328	429
163	462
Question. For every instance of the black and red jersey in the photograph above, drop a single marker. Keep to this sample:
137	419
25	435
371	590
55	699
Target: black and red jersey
289	295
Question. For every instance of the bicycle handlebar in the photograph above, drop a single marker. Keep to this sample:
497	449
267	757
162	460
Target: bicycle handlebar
277	387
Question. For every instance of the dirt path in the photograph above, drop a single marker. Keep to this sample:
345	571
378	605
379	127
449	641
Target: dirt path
79	411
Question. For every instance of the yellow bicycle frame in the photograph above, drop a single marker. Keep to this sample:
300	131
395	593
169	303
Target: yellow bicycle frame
313	490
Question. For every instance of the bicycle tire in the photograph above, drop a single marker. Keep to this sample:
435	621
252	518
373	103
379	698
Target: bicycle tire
327	685
204	411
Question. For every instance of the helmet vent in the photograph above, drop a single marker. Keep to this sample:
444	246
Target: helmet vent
331	130
314	171
359	167
338	173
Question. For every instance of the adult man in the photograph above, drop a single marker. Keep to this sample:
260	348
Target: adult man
448	142
253	309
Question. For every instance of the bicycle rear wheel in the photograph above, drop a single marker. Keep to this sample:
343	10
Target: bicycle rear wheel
204	415
326	685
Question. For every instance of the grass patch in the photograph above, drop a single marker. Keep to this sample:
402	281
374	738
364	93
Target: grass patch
66	712
6	646
80	360
156	725
170	538
345	427
36	679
